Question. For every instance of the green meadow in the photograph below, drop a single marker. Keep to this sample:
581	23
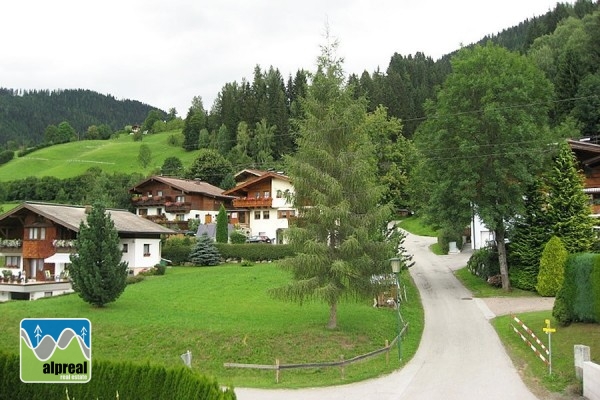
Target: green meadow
224	315
114	155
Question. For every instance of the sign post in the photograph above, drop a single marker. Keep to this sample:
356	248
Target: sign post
549	331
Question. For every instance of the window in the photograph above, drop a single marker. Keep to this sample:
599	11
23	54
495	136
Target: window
279	194
266	194
179	217
159	211
256	214
159	193
257	195
266	214
149	193
286	213
146	250
37	264
180	199
125	248
37	233
143	211
12	261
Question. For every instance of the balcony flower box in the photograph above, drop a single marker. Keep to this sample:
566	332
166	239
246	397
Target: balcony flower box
11	243
65	244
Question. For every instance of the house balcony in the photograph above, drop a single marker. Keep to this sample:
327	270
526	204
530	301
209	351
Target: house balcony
249	202
178	207
144	201
10	245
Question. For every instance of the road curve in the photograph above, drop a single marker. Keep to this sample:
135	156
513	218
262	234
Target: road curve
460	356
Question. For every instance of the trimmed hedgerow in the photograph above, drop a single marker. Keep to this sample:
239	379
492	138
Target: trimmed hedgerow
254	251
131	381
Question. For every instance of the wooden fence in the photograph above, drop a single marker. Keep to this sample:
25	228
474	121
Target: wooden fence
341	364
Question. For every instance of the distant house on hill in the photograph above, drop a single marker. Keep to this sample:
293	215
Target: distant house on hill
174	201
37	239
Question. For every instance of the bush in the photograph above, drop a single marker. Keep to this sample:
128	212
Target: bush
6	156
484	263
255	251
135	279
445	237
552	268
237	237
131	381
177	249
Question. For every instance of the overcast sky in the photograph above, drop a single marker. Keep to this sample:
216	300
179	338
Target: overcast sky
164	53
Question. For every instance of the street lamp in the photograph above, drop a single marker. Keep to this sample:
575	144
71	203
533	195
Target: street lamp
396	264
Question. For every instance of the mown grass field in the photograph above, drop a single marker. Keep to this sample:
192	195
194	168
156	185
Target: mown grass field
114	155
224	314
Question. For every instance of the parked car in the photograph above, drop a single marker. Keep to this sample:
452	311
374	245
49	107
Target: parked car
258	239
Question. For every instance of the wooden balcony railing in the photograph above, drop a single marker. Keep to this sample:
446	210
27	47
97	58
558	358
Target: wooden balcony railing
249	202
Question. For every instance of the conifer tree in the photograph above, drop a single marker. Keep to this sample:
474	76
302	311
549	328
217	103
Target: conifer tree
338	236
204	252
552	268
568	206
222	234
97	272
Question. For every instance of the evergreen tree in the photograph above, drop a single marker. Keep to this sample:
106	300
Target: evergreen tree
338	235
552	268
144	156
222	234
528	237
172	166
204	252
97	272
568	207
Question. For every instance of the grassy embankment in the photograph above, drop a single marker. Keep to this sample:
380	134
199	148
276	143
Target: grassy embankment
114	155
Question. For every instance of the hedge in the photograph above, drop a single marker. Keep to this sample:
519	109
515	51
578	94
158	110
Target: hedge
578	300
131	381
254	251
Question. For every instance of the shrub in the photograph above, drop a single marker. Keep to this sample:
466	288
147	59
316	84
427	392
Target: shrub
135	279
484	262
177	249
131	381
237	237
552	268
445	237
6	156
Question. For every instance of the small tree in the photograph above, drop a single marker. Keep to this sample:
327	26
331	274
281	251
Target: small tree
222	234
145	155
98	274
552	268
204	252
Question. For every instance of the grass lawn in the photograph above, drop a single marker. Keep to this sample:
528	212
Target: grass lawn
533	370
416	226
223	314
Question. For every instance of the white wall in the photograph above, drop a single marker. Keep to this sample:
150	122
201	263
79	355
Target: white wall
135	253
480	234
270	226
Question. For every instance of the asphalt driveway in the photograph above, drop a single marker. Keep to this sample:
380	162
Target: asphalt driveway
460	356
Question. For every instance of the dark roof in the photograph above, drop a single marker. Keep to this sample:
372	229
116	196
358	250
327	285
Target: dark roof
72	216
250	182
186	185
587	153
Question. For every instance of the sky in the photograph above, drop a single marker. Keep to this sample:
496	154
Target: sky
164	53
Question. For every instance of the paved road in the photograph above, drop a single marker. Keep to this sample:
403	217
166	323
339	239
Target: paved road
460	356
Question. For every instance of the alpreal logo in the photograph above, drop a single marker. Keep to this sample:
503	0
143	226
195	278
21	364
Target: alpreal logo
56	350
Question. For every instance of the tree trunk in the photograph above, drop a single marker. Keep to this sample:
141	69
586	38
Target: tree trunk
332	324
499	234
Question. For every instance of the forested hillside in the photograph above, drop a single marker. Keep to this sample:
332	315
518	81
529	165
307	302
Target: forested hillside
25	115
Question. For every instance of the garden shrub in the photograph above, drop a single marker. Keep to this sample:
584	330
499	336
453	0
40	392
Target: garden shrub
131	381
522	278
552	268
130	280
177	249
205	252
237	237
484	262
445	237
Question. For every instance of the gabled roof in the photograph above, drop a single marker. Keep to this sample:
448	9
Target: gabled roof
248	173
267	175
185	185
587	153
71	217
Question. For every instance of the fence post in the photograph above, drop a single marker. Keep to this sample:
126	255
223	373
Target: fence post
387	353
342	366
582	354
277	370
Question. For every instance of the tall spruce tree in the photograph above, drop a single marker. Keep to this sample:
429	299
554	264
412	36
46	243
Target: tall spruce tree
97	272
222	234
339	233
568	206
